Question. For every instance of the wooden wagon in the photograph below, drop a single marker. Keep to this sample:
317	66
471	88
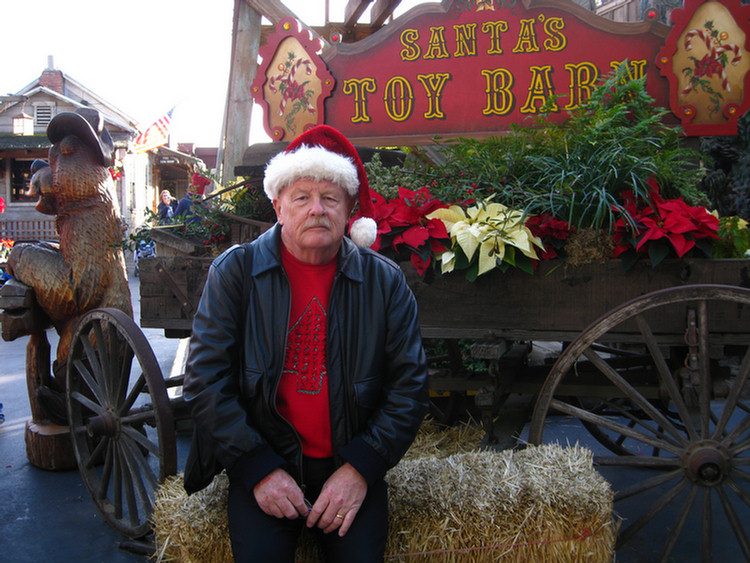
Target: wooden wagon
653	362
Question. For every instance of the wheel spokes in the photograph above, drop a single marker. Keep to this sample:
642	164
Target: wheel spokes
665	376
734	522
90	382
704	368
121	462
682	517
141	440
634	395
733	400
655	509
707	527
643	486
701	441
614	426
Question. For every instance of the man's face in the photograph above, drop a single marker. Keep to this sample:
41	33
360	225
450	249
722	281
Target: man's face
313	216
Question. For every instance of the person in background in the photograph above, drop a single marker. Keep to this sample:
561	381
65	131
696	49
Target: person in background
167	207
186	207
306	378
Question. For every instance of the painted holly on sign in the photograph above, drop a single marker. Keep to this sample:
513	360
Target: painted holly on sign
707	65
291	90
712	64
292	81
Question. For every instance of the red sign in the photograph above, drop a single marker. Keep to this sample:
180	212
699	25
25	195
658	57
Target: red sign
466	67
462	67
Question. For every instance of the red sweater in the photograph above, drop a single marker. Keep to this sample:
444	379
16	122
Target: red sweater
303	390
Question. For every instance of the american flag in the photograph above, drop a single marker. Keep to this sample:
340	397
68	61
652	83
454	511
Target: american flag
155	136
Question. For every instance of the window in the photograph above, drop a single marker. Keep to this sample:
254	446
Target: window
20	174
42	115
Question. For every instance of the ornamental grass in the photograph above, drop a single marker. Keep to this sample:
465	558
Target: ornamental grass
449	502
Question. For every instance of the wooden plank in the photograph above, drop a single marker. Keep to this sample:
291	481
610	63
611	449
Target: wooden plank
353	10
160	307
239	105
381	11
558	301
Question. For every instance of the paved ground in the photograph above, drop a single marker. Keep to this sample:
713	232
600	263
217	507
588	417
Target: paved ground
49	516
44	515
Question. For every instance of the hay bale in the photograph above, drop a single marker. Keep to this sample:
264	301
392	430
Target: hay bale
543	503
448	502
192	528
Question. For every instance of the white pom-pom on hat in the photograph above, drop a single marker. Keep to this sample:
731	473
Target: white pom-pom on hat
364	232
323	153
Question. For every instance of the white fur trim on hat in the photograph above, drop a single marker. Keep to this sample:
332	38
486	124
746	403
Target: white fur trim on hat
310	162
364	231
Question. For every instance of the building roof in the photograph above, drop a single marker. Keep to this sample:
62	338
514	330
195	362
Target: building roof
73	93
24	142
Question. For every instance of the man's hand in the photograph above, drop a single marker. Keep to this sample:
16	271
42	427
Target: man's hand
339	501
279	495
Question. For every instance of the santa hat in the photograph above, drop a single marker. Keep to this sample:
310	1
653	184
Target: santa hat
322	153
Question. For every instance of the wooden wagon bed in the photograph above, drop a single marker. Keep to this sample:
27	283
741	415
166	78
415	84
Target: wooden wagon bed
553	304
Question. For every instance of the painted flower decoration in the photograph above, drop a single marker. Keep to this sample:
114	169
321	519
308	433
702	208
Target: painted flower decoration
488	231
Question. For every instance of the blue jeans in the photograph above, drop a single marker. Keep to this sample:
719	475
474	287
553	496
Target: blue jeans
259	538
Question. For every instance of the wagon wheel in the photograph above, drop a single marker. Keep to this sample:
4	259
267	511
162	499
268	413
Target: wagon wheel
120	419
698	446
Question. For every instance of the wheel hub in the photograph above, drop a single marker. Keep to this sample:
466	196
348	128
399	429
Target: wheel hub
107	424
707	463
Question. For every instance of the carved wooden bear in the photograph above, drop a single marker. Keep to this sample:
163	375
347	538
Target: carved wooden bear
87	269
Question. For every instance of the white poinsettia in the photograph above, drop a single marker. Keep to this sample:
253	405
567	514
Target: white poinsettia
487	228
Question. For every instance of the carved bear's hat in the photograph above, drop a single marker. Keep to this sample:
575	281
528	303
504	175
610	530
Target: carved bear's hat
86	124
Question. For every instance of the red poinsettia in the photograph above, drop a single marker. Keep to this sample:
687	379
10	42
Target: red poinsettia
403	225
553	232
664	220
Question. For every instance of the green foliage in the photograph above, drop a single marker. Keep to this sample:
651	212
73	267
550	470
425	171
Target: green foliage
735	238
250	202
728	182
387	179
212	229
141	234
576	170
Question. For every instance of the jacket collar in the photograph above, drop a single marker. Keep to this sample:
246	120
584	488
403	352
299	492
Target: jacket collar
267	255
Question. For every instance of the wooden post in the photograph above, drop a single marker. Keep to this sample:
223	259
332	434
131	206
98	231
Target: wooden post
244	65
48	446
235	135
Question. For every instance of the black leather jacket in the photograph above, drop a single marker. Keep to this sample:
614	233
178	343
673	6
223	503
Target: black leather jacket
376	366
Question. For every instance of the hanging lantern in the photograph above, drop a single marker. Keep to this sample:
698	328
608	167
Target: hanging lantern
23	124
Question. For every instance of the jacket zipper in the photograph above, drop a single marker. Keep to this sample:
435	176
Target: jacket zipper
349	397
275	389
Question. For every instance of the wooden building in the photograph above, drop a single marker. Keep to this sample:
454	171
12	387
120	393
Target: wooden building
24	117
